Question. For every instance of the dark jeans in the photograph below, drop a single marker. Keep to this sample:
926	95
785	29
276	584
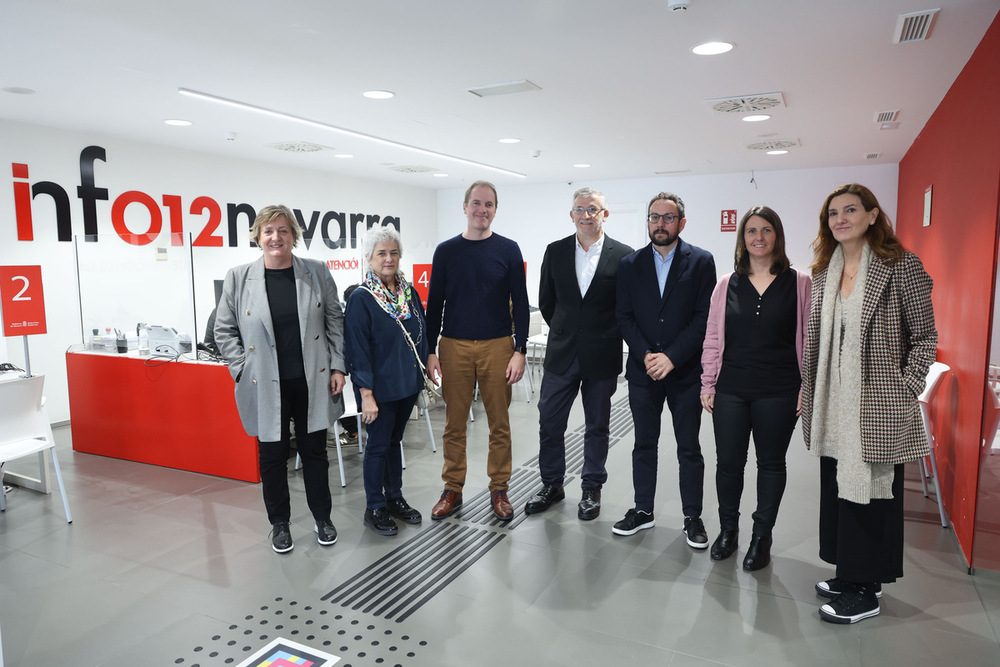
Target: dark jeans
555	401
865	542
772	421
646	402
383	465
273	458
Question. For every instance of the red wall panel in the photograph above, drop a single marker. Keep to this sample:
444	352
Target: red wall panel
958	153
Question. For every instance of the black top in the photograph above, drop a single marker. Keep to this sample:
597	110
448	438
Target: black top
759	356
478	287
281	300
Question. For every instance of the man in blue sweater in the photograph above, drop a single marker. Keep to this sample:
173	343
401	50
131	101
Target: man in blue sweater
478	285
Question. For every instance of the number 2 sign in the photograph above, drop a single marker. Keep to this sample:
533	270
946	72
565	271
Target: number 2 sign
21	300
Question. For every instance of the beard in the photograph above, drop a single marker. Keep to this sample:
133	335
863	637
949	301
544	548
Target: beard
665	238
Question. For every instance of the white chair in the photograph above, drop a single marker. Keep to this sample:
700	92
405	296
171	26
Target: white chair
351	409
934	375
425	409
25	429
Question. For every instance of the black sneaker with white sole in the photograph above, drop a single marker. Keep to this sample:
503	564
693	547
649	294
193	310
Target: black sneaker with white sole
281	537
694	532
326	534
856	602
831	588
634	521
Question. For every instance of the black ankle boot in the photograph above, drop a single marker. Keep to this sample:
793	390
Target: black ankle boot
725	544
759	553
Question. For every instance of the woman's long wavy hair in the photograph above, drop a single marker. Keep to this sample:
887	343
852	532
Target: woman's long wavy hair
879	236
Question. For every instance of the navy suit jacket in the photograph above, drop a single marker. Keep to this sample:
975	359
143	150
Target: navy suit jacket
584	326
674	323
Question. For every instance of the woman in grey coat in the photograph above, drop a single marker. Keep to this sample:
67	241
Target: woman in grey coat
871	339
280	327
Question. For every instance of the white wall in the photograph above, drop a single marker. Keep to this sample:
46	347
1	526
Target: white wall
535	215
123	284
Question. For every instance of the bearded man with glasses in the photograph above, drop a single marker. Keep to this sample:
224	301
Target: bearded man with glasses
662	308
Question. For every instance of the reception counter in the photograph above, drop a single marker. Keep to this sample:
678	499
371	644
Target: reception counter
177	414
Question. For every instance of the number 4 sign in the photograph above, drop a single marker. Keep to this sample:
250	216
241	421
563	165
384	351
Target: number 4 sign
21	300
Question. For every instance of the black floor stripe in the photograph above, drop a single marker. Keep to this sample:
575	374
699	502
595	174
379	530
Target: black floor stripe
402	581
398	584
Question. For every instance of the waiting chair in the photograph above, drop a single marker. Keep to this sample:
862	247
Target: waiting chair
351	409
934	375
25	429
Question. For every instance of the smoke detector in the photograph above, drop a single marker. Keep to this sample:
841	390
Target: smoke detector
677	5
413	169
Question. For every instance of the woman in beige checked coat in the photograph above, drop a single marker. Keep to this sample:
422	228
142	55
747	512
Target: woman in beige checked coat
871	339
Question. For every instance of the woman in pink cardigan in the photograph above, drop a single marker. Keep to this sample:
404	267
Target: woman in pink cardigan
751	379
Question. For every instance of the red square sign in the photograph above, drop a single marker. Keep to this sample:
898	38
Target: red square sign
21	300
728	221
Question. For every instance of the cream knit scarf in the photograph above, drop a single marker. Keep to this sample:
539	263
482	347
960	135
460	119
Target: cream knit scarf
836	430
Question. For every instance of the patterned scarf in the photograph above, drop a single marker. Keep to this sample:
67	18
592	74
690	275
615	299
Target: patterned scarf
398	304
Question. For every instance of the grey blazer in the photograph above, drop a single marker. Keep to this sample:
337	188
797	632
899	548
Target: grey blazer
245	337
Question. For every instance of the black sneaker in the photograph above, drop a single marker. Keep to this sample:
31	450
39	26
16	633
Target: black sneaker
400	509
379	521
281	537
694	531
856	602
831	588
634	521
326	534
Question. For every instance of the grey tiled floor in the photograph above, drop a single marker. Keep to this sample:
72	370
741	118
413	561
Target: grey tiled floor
163	567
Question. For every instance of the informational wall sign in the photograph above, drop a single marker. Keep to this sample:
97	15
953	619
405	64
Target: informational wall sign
728	221
21	300
421	279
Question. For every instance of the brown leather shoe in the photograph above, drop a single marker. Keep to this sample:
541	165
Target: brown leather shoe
501	506
450	501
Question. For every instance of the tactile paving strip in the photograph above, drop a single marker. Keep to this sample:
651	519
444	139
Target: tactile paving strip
354	640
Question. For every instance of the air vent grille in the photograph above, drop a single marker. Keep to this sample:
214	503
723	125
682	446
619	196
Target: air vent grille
774	145
886	116
509	88
747	103
872	156
413	169
299	147
914	27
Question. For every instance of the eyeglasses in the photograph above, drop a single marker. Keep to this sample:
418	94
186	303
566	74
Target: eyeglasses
590	210
668	219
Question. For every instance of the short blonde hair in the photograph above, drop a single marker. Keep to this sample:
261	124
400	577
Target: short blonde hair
269	214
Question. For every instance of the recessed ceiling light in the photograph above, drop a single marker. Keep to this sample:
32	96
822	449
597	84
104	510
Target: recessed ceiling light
757	118
343	156
776	152
18	90
440	175
581	165
510	140
712	48
378	94
177	122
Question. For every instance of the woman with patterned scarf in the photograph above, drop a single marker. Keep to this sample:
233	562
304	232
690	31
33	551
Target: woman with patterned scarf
870	342
385	347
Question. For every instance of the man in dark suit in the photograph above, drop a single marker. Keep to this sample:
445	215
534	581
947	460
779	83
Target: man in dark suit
583	353
662	310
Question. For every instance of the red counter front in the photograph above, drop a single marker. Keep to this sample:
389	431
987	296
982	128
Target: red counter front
178	414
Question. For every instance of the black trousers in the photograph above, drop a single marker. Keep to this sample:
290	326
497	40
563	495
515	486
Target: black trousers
273	458
646	403
555	401
865	542
772	421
